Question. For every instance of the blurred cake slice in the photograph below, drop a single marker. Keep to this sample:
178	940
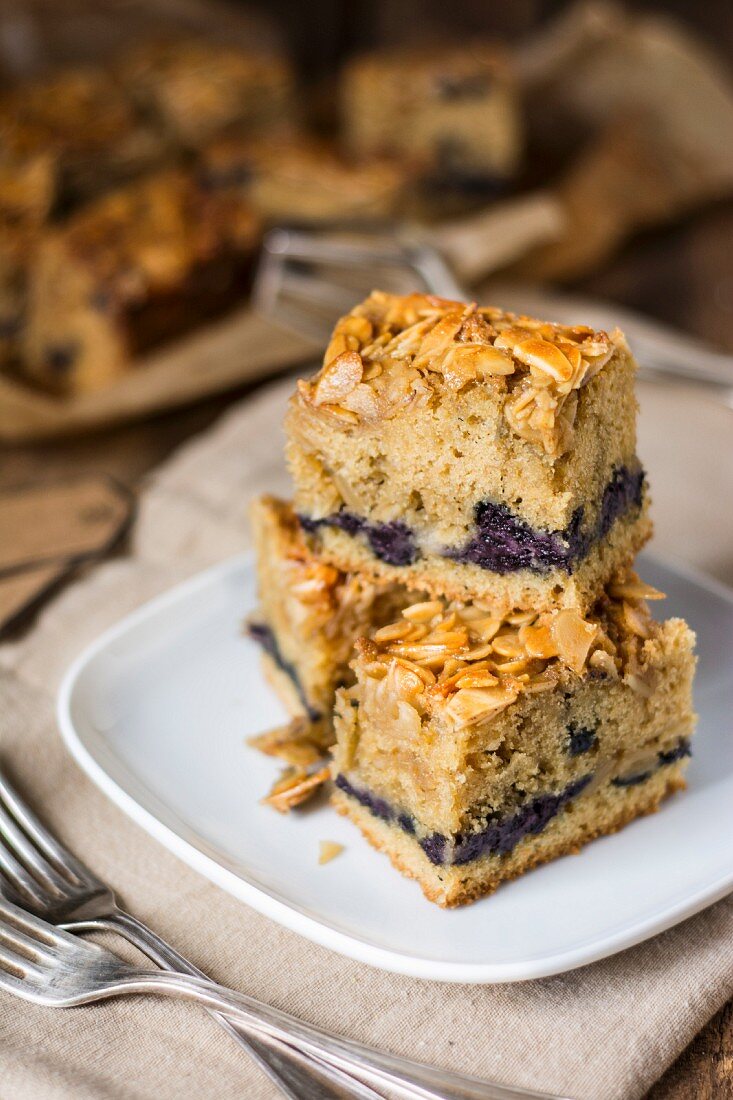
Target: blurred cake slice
452	113
129	271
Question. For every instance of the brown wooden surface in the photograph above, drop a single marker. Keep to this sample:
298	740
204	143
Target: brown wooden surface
683	276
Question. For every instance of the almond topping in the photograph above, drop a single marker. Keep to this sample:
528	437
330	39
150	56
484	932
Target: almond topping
573	637
294	787
338	378
328	850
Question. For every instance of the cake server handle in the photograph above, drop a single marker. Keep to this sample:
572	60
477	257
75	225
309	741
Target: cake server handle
413	1080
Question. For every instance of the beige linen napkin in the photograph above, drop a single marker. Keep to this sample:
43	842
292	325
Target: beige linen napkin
606	1031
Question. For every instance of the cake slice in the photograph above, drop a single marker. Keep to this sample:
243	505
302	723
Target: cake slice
310	614
451	113
475	746
469	452
129	271
87	124
304	181
195	89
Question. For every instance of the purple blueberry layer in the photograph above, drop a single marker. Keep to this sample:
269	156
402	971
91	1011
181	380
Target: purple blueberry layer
581	739
264	636
503	542
393	543
680	750
502	833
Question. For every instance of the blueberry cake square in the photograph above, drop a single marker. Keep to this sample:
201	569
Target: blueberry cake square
310	614
194	89
130	270
476	745
299	180
87	123
471	453
451	113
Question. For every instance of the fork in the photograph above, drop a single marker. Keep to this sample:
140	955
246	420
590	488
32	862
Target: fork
45	877
48	966
66	892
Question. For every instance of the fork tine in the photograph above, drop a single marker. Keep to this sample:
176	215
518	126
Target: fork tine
22	848
30	949
20	880
12	915
16	968
58	856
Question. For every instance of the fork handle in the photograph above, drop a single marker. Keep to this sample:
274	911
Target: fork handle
298	1075
412	1079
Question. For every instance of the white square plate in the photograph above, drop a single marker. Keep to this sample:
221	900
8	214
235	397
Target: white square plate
157	712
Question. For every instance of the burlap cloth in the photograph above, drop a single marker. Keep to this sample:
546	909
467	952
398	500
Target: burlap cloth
606	1031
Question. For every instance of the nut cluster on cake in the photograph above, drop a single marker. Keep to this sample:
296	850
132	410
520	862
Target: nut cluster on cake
450	598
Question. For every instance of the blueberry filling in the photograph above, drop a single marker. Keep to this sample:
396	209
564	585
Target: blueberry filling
671	756
631	780
469	86
502	833
503	542
60	358
580	739
392	543
263	635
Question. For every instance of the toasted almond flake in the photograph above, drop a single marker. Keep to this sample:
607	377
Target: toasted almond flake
604	663
423	612
328	850
338	378
363	401
299	743
419	652
544	356
538	641
634	589
471	705
294	787
636	620
573	637
424	674
453	639
508	645
478	652
393	632
340	413
521	618
515	667
482	678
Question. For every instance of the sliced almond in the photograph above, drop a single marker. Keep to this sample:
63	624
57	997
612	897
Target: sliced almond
573	637
294	787
328	850
338	378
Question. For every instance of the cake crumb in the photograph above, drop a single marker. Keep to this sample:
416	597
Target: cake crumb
328	850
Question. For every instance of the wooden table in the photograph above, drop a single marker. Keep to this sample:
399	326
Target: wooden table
683	276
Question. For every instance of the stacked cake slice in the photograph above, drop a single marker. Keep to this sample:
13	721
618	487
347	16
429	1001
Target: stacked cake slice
451	596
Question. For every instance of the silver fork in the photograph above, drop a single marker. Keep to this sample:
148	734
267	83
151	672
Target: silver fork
44	877
61	889
45	965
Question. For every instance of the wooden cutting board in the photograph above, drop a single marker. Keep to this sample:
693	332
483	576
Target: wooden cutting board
46	532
